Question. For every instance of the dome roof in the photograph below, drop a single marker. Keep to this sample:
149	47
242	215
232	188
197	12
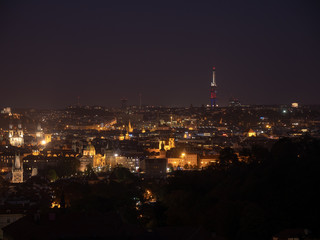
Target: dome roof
90	147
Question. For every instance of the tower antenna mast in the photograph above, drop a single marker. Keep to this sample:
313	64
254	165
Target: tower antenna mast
213	89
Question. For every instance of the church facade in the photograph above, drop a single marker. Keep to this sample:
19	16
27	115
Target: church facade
16	135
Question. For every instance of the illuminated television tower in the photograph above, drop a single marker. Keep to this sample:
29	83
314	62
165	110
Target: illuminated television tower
213	92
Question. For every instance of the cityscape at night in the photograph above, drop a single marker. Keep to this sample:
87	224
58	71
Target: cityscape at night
159	120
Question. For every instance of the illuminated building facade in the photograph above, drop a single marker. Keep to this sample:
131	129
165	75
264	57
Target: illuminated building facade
89	153
89	150
251	133
130	162
48	159
90	157
16	135
17	170
6	110
186	159
41	137
99	161
167	145
39	133
6	160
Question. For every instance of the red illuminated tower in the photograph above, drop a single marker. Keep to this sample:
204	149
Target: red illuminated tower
213	92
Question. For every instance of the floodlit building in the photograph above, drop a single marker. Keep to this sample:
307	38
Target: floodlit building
17	170
89	150
251	133
167	145
186	159
16	135
6	110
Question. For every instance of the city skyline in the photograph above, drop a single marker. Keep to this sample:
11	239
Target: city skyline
159	120
53	52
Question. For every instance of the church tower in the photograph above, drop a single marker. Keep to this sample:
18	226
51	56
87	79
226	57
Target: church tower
16	135
20	131
10	130
162	151
17	170
130	128
171	143
39	132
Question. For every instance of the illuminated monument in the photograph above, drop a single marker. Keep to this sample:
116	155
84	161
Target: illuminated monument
213	90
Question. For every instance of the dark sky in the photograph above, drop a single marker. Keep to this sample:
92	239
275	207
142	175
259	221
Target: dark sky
265	52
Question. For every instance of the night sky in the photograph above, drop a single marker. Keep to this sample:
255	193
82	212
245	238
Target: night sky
265	52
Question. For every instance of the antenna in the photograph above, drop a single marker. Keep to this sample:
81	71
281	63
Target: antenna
213	89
